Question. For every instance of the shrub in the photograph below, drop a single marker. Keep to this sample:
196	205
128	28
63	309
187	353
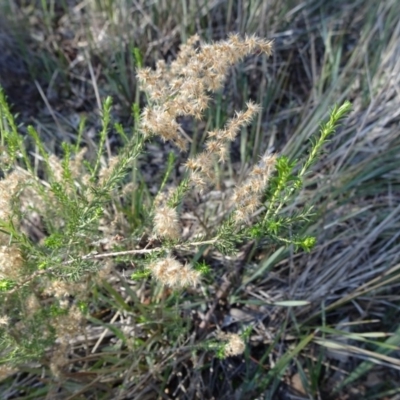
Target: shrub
66	221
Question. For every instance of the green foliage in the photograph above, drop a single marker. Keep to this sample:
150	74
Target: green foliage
203	268
10	136
327	129
286	184
105	122
6	284
179	193
227	237
140	275
282	190
71	211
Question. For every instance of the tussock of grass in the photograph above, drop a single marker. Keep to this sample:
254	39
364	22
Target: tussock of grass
326	318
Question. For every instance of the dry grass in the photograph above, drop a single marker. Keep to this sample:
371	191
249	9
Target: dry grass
316	319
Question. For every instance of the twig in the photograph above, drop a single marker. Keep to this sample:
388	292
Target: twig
94	256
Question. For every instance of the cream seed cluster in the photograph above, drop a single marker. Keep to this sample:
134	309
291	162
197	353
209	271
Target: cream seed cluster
171	272
11	260
166	223
216	147
247	195
183	88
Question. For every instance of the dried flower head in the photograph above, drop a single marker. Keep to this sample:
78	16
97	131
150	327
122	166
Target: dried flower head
59	359
246	196
56	167
76	165
61	289
4	320
11	262
171	272
32	304
106	171
234	344
182	87
166	223
216	147
68	325
57	288
8	188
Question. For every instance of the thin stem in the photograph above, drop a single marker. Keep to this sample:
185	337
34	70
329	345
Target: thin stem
93	256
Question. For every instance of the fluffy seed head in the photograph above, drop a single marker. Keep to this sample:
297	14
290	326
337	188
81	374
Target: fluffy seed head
234	344
246	196
8	188
166	223
183	87
171	272
11	262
